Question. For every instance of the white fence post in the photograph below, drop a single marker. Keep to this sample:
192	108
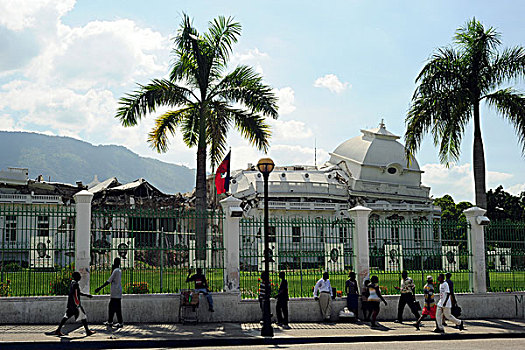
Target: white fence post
360	241
82	236
232	213
476	243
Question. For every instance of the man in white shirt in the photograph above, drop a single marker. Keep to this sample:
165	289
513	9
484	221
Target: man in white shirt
444	306
323	292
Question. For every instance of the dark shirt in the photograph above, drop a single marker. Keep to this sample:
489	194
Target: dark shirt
451	286
351	287
200	281
283	291
73	297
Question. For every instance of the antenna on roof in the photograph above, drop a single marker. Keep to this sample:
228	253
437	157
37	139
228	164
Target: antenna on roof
382	124
315	152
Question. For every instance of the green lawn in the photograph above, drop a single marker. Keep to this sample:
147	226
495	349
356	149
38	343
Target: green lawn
31	282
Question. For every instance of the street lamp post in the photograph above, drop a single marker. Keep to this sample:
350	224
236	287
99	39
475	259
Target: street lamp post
265	166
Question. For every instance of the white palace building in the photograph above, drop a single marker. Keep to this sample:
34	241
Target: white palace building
369	170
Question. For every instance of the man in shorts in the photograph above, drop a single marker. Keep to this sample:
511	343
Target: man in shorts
73	306
430	305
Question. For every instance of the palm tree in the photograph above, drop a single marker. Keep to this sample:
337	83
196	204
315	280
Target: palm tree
451	86
204	101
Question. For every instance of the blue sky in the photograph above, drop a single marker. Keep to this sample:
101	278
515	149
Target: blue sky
337	67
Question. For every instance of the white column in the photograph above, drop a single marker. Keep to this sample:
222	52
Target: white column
231	243
82	236
360	241
476	243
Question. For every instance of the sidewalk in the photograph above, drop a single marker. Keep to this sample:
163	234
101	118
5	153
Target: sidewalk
214	334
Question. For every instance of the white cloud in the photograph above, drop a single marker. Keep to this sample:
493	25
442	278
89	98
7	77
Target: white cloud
7	122
249	56
283	130
286	97
66	86
17	15
109	53
281	154
332	83
252	57
516	189
457	180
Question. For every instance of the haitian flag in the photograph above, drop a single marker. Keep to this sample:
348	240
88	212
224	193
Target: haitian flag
222	176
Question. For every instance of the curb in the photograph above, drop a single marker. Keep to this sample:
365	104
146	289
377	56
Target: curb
218	342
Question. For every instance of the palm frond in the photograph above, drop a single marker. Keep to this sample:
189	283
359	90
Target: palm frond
222	34
190	127
511	104
508	65
444	113
218	126
165	126
252	127
245	86
148	97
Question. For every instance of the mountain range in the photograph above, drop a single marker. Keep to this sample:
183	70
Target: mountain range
64	159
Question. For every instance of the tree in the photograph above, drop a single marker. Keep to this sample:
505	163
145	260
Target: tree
204	101
450	211
452	85
502	205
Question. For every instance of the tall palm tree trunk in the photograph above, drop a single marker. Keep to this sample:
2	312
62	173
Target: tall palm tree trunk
478	159
200	190
200	205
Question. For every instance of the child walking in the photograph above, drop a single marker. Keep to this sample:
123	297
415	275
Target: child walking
430	304
74	308
115	301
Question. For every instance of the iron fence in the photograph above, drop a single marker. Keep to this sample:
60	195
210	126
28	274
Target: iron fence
421	248
157	248
37	249
302	247
505	256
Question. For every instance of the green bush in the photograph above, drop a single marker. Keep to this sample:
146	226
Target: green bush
12	267
60	285
136	288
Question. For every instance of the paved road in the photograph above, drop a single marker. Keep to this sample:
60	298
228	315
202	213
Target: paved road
481	344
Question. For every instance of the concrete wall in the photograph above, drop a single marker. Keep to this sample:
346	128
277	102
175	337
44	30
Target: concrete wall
160	308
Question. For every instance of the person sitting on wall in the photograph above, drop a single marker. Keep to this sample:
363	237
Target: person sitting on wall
201	285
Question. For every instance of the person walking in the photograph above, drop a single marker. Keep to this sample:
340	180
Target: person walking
352	293
364	301
115	301
448	279
201	286
374	297
74	308
444	307
323	293
430	305
281	307
407	297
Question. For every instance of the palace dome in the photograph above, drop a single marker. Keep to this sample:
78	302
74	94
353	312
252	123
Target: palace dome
376	149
